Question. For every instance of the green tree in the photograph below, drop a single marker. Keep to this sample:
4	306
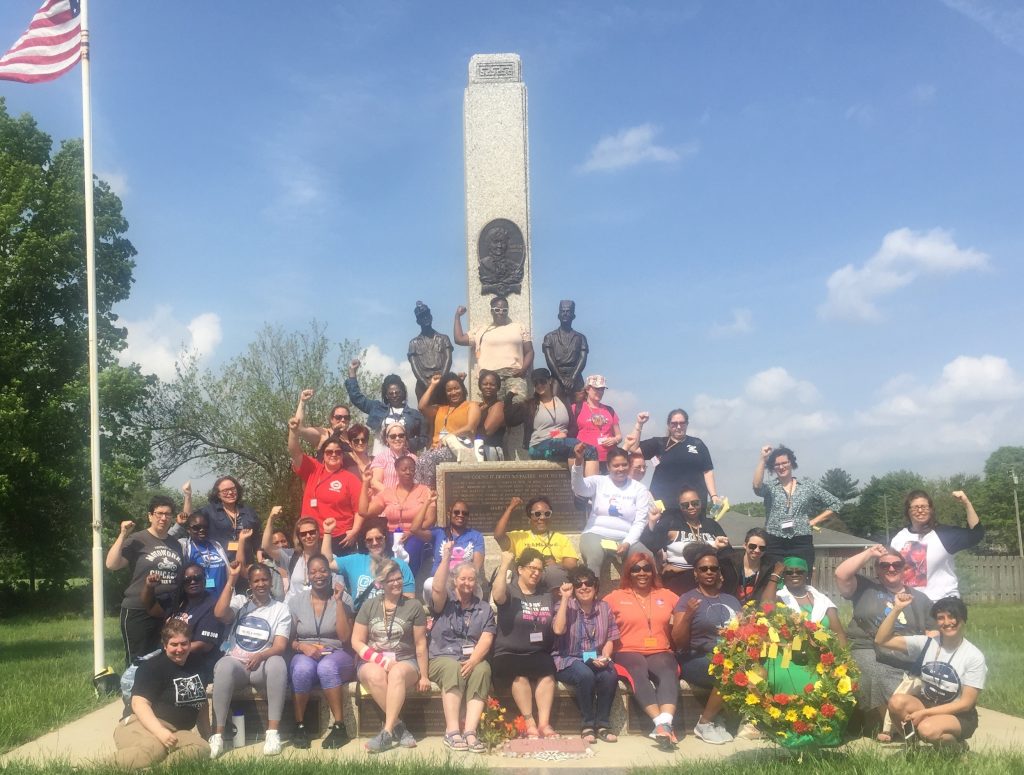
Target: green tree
840	483
44	403
234	419
879	510
995	505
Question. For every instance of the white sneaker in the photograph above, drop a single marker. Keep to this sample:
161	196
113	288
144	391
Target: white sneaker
216	745
272	746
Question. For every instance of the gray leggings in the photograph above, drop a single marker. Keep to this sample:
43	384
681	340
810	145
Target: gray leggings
595	556
272	674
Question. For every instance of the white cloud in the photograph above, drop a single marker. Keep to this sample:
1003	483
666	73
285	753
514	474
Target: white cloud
977	380
1003	19
903	256
160	341
633	146
626	406
776	385
741	323
378	361
118	182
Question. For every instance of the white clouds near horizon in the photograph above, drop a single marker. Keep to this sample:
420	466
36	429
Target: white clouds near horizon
160	341
632	146
904	256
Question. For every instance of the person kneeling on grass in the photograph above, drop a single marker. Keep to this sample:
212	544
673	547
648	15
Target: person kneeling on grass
460	639
167	700
952	672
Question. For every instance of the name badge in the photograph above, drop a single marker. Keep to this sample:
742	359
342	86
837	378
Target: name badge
388	655
211	583
650	642
653	462
788	524
536	637
467	650
312	503
589	655
232	546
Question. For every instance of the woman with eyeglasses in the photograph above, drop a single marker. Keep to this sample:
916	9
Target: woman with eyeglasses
585	635
390	638
791	506
146	551
796	593
678	460
197	547
392	409
321	626
254	655
228	514
556	549
360	570
682	527
696	619
746	572
643	613
329	492
467	543
294	561
446	406
928	547
401	505
193	604
522	646
396	441
460	641
882	669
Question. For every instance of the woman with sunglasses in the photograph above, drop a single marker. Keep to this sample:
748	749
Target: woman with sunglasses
392	409
682	527
338	420
197	547
396	445
643	614
882	669
329	490
390	637
928	547
797	594
696	619
557	550
321	626
360	570
503	345
358	459
585	634
746	571
193	604
522	646
790	505
678	460
454	418
460	641
254	655
467	543
294	561
401	506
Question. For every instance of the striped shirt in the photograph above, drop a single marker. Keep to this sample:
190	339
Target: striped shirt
583	632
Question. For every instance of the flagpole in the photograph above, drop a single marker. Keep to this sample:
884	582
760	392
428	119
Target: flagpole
99	656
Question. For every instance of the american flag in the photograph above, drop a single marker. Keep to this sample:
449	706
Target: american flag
50	46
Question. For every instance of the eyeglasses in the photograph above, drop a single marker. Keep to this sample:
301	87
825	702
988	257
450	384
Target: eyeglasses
308	533
227	490
782	464
460	512
332	452
682	424
164	514
199	527
395	580
584	583
533	568
396	435
341	417
891	565
689	504
540	514
756	547
640	569
359	440
707	569
793	572
378	540
920	509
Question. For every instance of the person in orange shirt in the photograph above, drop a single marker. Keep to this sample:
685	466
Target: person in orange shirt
643	613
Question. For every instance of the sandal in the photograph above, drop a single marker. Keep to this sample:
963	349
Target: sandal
588	736
607	736
547	731
473	745
531	728
455	741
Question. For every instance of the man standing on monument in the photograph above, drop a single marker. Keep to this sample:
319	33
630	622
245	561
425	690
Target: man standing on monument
566	351
430	353
503	346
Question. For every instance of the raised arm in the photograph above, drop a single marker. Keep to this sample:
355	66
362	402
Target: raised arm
115	560
499	589
308	434
766	450
558	624
186	491
459	336
632	441
425	519
294	447
355	393
148	596
581	485
972	516
268	535
439	588
222	610
501	528
884	636
325	542
847	570
427	409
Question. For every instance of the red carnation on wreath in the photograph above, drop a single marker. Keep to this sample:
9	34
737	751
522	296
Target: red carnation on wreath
754	652
808	688
828	710
800	726
718	659
782	699
768	607
828	659
740	679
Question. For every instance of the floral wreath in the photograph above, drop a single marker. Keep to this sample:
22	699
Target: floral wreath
786	675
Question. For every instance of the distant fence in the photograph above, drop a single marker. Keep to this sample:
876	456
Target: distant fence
982	579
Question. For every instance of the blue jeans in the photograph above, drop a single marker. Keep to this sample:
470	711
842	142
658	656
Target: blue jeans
591	684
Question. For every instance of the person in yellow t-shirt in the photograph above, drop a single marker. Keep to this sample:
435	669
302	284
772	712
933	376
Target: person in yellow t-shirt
559	554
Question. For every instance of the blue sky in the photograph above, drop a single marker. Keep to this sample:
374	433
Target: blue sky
801	221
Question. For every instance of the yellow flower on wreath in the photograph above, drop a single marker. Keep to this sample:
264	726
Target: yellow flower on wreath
820	668
844	685
821	636
774	712
752	699
840	671
728	664
809	712
791	715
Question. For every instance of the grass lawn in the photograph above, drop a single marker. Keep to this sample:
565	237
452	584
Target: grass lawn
998	631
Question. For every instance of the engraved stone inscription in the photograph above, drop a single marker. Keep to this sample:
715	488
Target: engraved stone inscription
496	71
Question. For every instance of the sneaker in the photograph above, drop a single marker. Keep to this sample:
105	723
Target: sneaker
382	742
663	734
337	737
272	745
404	736
712	733
216	745
749	732
300	736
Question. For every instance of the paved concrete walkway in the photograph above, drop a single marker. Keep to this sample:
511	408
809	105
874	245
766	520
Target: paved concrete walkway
90	740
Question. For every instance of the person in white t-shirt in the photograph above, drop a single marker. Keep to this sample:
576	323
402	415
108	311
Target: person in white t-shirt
952	672
928	547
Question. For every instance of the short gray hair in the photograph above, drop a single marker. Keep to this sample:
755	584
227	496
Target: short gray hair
454	574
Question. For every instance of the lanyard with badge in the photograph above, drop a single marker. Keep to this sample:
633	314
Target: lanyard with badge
650	641
588	636
463	634
318	625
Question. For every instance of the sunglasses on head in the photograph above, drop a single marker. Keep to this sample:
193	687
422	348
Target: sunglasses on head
584	583
641	569
891	565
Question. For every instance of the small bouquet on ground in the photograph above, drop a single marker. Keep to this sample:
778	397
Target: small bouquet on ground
494	729
786	675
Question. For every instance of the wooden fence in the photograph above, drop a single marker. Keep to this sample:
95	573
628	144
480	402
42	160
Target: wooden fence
982	579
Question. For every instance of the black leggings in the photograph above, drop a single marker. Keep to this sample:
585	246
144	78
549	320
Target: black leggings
655	677
140	633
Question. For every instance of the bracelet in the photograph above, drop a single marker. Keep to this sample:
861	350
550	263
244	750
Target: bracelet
775	577
369	655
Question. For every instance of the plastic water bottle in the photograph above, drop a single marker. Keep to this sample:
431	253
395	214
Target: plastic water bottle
238	719
400	551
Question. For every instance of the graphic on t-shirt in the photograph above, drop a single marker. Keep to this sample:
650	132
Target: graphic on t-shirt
940	683
613	507
189	692
536	611
335	485
253	633
461	554
691	448
165	562
915	555
719	613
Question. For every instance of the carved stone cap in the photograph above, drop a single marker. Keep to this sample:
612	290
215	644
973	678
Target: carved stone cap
495	68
